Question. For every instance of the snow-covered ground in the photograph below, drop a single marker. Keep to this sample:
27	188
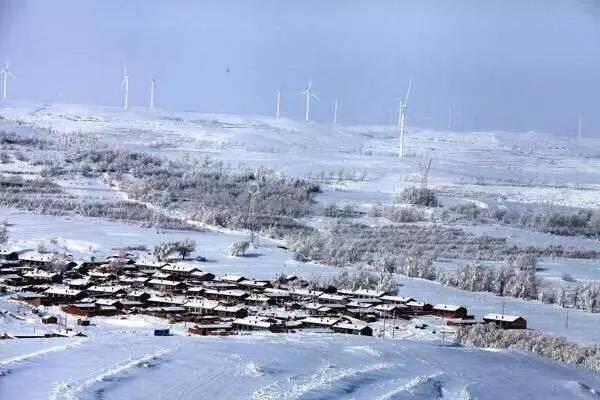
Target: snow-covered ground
127	362
357	165
77	235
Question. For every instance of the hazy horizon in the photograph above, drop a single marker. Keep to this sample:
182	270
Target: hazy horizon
500	65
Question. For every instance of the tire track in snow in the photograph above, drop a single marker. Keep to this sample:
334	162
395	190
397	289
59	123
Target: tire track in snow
71	391
328	379
421	387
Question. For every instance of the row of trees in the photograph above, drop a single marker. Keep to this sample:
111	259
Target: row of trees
558	349
361	277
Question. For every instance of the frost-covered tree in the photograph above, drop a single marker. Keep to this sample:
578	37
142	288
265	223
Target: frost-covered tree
238	249
3	234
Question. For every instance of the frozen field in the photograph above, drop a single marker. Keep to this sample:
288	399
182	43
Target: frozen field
78	235
127	363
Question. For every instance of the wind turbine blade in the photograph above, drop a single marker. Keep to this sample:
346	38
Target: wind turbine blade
408	91
303	92
314	96
10	74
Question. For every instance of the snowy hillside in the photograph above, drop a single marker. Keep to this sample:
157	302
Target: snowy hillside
494	188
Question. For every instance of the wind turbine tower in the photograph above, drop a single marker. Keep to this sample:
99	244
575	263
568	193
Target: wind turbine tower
309	94
152	88
125	86
449	118
580	127
5	72
278	110
335	111
402	119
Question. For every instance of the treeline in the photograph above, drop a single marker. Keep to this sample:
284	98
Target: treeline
558	222
557	349
348	243
248	199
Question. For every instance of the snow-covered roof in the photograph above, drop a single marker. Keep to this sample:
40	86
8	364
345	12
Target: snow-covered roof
501	317
232	278
164	282
105	289
61	291
180	267
329	321
201	303
397	299
447	307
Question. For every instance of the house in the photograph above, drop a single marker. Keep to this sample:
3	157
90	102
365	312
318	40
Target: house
49	319
235	311
254	284
506	321
369	293
201	306
229	295
328	298
180	270
214	329
138	295
82	309
9	258
418	307
166	301
257	323
40	276
201	276
79	284
35	299
106	291
392	310
149	264
134	281
12	280
36	260
167	286
302	294
100	276
259	300
109	302
320	322
233	278
279	295
396	299
61	295
352	328
449	311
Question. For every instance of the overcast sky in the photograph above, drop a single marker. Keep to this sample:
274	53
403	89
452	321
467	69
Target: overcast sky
500	64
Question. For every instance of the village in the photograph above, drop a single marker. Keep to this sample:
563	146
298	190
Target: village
180	291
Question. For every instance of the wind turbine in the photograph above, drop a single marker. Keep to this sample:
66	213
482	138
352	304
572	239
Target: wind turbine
449	118
152	88
278	111
580	127
335	110
402	118
309	94
5	72
125	86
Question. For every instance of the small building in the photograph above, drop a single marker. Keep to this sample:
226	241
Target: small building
257	323
259	300
201	276
396	299
180	270
236	311
506	321
392	310
83	321
419	307
232	278
352	329
40	276
449	311
49	319
227	295
106	290
161	332
61	295
35	299
82	309
167	286
320	322
214	329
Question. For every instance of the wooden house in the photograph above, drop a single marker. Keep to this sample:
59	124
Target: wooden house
506	321
449	311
